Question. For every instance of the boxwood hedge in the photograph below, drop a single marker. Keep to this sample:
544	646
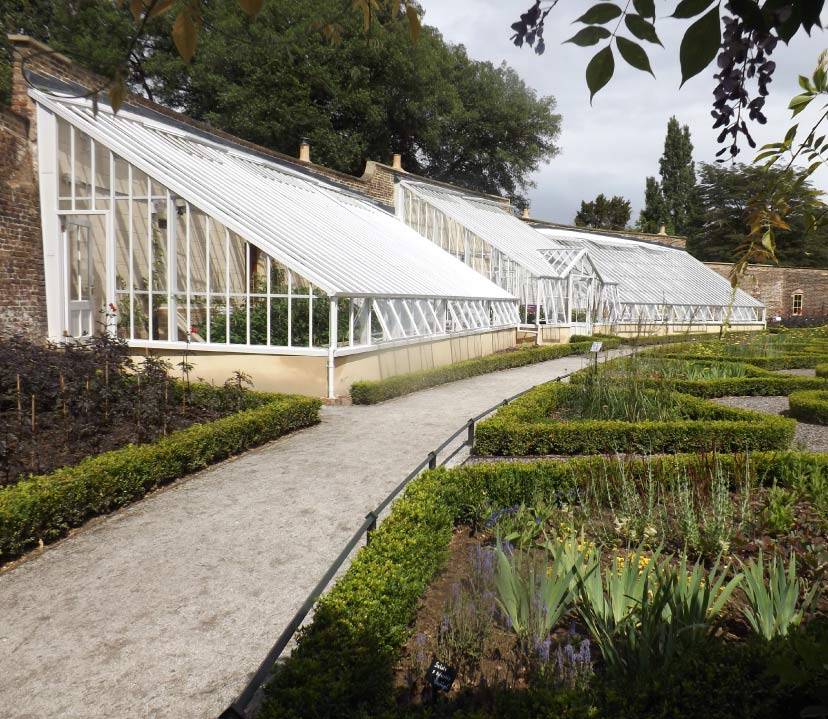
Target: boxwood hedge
44	508
756	382
523	428
344	661
809	406
372	392
784	361
375	391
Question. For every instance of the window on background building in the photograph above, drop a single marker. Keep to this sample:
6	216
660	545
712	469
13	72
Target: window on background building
797	303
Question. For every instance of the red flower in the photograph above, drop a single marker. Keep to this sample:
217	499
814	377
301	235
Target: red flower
113	307
193	331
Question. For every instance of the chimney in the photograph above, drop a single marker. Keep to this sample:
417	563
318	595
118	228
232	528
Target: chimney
524	214
396	161
304	150
662	231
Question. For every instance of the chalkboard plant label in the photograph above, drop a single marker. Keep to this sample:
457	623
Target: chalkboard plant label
440	675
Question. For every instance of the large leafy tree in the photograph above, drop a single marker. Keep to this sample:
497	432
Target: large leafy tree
654	215
309	68
605	214
725	192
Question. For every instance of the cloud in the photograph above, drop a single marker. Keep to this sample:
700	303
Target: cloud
614	144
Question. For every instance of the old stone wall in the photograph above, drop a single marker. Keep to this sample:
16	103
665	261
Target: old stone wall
776	287
22	288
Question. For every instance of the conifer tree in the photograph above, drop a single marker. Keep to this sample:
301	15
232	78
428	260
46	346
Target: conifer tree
672	202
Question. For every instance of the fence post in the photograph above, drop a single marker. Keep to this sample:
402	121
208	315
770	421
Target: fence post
371	527
432	460
470	440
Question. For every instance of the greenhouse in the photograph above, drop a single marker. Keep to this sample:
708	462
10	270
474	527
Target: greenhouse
557	285
176	238
661	285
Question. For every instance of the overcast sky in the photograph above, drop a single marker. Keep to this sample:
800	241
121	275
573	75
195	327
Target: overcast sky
612	146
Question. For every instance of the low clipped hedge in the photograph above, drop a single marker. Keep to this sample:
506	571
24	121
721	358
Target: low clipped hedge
344	660
786	361
44	508
757	383
822	370
523	429
810	406
375	391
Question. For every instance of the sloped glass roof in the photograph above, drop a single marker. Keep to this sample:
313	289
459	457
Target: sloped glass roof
494	224
652	274
339	242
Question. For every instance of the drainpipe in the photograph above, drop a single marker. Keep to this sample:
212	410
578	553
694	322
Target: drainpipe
333	325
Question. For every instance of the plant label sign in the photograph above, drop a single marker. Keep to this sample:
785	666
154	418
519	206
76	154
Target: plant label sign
596	347
440	675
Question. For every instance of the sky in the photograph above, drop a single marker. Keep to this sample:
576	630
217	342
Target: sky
613	145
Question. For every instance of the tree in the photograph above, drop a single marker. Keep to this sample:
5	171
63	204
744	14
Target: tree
604	214
654	215
672	202
725	193
276	79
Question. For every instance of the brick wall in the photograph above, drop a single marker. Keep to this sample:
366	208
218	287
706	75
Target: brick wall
776	286
676	241
22	289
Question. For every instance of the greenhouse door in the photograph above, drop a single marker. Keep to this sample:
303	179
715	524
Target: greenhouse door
77	253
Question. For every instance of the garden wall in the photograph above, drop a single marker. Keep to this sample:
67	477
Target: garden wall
22	288
776	286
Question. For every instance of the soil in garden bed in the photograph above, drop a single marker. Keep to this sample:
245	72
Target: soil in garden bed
463	598
58	442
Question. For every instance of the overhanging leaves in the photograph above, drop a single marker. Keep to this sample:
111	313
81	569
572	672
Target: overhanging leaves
691	8
641	28
634	54
184	36
599	14
600	70
645	7
700	44
589	35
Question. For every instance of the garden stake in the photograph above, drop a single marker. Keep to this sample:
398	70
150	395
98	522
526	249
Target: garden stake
19	404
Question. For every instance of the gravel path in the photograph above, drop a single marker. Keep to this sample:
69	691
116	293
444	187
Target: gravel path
165	608
798	372
811	437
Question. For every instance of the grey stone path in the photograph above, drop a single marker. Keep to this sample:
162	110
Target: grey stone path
165	608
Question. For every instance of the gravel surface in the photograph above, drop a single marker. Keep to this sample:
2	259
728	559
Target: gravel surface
166	608
811	437
798	372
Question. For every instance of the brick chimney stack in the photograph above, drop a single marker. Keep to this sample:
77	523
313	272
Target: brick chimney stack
396	161
304	150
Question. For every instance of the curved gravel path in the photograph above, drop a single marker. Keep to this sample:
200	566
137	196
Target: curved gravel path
811	437
165	608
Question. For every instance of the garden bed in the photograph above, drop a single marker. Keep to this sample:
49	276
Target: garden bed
710	378
651	421
361	656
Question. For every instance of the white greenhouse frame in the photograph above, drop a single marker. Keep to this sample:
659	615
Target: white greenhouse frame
197	242
561	284
660	285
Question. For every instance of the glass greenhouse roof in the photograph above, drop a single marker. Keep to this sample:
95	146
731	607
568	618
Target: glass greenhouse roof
652	274
342	244
494	224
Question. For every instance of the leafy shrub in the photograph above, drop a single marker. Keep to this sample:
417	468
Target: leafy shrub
372	392
523	428
44	508
809	406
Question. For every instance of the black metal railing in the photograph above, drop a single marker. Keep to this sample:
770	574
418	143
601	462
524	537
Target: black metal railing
238	709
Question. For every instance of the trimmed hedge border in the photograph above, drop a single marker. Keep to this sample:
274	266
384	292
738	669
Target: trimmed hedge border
376	391
344	661
757	383
44	508
788	361
810	406
520	429
822	370
373	392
